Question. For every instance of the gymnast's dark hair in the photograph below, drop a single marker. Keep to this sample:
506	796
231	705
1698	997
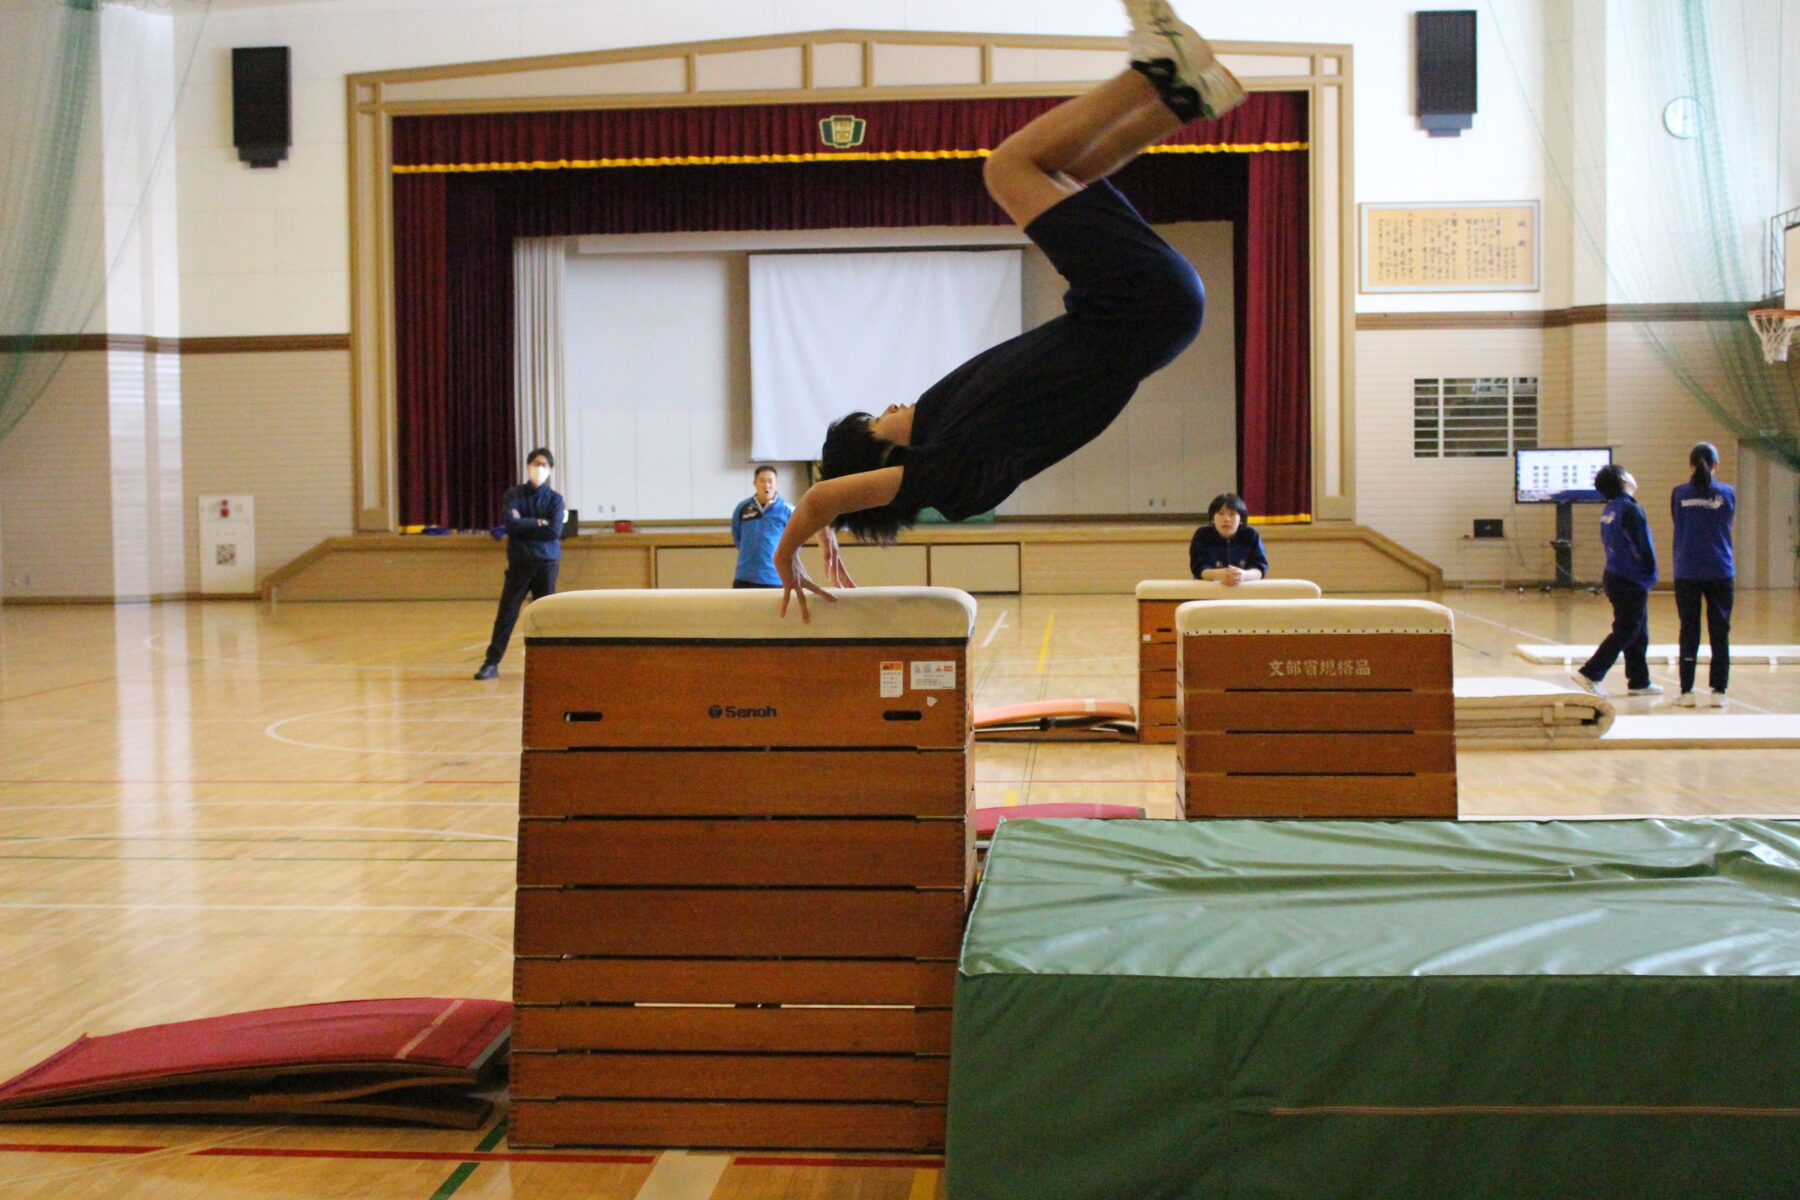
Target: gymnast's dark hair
1230	500
1609	481
1703	458
851	448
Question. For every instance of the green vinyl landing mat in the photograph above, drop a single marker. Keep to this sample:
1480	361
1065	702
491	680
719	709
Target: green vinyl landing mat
1289	1010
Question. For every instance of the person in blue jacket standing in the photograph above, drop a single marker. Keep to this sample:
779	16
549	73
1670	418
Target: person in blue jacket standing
756	528
1630	573
1702	509
533	517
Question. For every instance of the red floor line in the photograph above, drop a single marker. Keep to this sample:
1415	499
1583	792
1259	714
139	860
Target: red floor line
456	1156
761	1160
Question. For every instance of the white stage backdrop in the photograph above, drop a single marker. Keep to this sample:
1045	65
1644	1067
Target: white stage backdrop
834	333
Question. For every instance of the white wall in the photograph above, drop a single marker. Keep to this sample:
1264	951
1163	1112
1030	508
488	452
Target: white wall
1571	93
657	366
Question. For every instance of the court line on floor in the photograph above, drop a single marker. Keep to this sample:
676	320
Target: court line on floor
1503	625
999	622
1044	649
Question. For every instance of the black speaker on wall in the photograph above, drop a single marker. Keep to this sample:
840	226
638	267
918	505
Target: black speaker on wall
261	127
1445	70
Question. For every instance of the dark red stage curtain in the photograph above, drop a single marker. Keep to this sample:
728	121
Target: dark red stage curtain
1275	340
456	218
423	417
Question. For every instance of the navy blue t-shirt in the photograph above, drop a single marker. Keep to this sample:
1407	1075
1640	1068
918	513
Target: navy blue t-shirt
1703	531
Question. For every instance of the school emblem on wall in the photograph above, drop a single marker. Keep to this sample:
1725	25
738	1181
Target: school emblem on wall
841	133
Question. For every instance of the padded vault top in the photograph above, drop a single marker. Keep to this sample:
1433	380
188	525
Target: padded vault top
716	614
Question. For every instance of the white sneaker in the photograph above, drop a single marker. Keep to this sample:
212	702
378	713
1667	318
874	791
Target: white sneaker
1649	689
1157	34
1718	700
1685	700
1591	686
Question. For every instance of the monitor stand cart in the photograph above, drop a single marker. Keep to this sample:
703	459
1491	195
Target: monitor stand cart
1564	544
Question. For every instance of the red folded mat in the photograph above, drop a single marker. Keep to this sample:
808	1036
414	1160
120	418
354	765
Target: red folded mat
988	819
409	1059
1058	720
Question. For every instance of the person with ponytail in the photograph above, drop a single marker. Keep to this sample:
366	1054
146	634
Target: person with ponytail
1702	509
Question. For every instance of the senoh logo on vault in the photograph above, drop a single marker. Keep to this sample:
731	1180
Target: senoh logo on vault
726	711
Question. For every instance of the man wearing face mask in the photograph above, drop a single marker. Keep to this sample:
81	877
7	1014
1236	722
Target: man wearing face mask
533	516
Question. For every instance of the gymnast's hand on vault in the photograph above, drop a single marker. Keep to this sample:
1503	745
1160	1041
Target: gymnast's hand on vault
835	572
795	582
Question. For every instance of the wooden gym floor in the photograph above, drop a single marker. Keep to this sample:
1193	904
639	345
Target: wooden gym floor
206	808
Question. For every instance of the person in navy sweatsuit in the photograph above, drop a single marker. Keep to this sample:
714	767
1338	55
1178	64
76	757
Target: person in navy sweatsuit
1703	509
533	517
1630	573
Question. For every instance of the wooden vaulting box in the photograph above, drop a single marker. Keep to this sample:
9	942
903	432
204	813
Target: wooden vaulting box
1316	708
1157	600
744	860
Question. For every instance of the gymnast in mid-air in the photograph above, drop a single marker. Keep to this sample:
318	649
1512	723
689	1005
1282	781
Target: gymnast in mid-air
1132	305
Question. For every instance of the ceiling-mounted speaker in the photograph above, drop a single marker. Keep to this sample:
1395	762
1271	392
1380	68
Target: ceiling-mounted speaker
1445	70
261	127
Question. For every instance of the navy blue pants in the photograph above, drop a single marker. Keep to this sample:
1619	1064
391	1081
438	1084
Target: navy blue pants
1716	595
534	577
1630	634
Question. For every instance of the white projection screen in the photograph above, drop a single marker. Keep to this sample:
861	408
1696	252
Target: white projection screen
834	333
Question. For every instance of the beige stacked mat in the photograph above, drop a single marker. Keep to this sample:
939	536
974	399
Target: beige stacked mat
1511	710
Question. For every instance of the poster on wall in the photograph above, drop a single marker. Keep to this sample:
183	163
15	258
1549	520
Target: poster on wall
1450	247
227	545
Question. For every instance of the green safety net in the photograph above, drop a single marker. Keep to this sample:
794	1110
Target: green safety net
1667	158
64	224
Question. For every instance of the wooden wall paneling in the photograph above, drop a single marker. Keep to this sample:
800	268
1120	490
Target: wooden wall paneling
916	983
1319	796
588	694
676	923
892	1077
728	1029
1279	661
817	1126
899	852
733	782
1310	754
1317	725
1250	711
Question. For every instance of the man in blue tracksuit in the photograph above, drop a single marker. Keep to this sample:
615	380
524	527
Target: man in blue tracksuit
756	528
1630	572
533	517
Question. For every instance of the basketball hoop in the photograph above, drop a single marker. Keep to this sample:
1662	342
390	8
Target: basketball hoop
1775	326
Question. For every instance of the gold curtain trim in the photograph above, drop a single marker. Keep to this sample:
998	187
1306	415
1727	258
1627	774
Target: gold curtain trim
717	160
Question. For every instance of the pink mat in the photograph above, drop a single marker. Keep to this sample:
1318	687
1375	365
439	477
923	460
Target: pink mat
988	819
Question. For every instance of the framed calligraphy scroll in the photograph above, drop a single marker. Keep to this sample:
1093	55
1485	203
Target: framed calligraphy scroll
1450	247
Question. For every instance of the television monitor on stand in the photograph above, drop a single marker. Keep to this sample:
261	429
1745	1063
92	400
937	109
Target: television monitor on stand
1563	477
